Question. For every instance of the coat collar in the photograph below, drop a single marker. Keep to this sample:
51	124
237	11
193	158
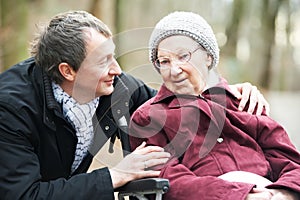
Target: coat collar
50	107
221	88
214	111
107	120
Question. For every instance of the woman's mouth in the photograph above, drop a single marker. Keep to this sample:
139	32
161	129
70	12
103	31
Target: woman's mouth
179	82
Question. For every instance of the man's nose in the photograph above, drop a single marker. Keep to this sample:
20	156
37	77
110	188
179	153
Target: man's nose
115	68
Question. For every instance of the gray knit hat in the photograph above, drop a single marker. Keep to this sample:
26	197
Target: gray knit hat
188	24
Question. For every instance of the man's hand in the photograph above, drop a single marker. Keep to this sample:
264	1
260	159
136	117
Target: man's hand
247	92
135	165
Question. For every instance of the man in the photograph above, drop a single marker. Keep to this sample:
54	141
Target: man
58	108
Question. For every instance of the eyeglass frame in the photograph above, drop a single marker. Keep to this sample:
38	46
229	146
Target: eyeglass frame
190	53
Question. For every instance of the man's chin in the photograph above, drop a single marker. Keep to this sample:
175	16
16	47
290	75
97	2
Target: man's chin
106	92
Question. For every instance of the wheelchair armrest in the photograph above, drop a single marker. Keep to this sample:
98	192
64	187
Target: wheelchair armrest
144	186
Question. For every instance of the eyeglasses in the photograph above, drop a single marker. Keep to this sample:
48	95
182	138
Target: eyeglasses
182	58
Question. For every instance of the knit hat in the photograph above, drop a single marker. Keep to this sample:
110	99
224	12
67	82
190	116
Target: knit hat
188	24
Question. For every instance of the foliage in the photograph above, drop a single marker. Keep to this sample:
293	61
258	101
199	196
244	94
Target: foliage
259	40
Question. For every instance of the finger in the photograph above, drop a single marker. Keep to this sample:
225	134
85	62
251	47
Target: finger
246	90
154	162
156	155
267	107
259	194
260	106
244	99
259	190
253	99
148	173
141	146
149	149
236	90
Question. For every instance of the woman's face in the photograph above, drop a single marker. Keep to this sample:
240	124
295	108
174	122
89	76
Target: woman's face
183	65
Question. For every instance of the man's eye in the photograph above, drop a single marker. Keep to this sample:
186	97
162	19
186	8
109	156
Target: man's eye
103	61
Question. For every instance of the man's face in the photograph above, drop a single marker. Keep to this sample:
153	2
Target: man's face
96	74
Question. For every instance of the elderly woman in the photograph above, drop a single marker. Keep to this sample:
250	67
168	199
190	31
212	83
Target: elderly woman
200	126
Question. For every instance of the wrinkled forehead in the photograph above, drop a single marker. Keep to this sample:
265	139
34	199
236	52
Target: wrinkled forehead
176	43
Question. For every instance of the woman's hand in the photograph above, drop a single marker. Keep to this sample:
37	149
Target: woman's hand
246	177
282	194
135	165
247	92
259	194
272	194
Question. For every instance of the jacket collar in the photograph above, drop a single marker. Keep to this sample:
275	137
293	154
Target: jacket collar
214	111
50	106
112	104
173	100
164	94
221	88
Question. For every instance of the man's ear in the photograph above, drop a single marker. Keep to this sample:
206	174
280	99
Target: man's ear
67	71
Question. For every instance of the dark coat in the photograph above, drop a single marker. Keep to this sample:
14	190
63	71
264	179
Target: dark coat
208	140
37	144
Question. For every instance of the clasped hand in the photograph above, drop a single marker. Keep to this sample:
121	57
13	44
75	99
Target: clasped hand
260	192
271	194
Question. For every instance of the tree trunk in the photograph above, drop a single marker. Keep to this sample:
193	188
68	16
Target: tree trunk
232	30
270	10
14	15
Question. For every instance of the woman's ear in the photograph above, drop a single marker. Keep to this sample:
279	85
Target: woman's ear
209	61
67	71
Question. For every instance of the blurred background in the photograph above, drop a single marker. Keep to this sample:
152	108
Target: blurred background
259	40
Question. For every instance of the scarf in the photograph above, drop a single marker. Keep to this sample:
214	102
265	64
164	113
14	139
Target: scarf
80	117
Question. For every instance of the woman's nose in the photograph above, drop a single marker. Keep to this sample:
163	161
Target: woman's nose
175	69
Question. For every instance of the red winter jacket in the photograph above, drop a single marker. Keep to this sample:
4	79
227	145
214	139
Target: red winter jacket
207	140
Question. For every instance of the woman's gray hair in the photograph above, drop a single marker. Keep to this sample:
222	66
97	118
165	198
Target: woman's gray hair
64	40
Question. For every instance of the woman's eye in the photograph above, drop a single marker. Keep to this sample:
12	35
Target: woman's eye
183	57
164	61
